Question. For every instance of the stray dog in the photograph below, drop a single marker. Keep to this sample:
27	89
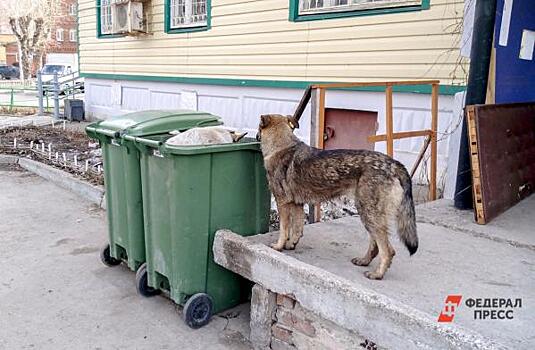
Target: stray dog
209	135
299	174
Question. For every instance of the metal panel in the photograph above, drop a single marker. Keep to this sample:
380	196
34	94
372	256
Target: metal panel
346	128
515	68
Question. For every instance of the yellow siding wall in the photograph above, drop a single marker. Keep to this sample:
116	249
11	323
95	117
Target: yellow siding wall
2	54
255	40
4	40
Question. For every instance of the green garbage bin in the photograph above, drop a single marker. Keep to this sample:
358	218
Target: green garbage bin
122	176
189	193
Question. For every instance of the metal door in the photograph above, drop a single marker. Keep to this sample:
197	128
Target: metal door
349	129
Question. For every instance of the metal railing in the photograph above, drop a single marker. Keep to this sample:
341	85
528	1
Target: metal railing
60	88
19	96
18	84
36	94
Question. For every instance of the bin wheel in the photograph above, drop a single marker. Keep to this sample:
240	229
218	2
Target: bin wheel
142	285
106	258
198	310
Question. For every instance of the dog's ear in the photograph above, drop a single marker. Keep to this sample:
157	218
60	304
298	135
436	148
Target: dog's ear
264	121
237	137
293	122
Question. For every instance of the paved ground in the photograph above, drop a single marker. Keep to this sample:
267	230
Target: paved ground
55	293
472	263
514	226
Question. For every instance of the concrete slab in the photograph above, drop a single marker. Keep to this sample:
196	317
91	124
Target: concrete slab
55	293
448	262
514	227
7	121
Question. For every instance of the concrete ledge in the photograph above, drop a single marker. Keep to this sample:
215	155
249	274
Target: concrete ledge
7	159
94	194
389	323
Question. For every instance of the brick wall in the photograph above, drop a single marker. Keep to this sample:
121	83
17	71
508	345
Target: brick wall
12	53
279	322
66	21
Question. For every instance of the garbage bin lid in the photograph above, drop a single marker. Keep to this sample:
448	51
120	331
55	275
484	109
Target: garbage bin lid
152	122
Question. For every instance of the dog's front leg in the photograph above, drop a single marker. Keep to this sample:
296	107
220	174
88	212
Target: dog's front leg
285	211
297	221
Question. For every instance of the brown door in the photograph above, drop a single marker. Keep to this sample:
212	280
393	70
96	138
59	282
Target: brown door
347	128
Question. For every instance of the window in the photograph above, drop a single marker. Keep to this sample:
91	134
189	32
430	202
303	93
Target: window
72	9
105	17
301	10
322	6
72	35
187	15
59	34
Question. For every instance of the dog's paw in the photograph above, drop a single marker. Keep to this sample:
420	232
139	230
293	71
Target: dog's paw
276	246
373	275
360	261
289	245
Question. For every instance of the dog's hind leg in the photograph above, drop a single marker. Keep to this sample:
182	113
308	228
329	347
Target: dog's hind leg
386	253
297	221
372	247
374	215
370	254
285	212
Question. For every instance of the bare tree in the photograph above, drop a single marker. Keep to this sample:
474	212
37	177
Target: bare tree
30	21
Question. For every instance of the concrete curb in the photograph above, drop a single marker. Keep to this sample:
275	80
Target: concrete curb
387	322
94	194
7	159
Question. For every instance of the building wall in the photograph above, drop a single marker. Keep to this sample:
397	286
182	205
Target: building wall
241	107
279	322
66	21
255	40
5	40
3	57
12	53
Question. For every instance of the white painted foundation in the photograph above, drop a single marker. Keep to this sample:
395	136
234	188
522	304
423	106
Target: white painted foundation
241	107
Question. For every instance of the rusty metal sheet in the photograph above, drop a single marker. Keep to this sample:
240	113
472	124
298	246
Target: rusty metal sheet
349	129
502	146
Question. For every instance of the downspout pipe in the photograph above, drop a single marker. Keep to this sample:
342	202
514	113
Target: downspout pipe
476	92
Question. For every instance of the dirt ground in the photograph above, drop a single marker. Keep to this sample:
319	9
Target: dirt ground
69	142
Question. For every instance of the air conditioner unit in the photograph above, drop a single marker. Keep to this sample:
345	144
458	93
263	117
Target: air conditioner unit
127	16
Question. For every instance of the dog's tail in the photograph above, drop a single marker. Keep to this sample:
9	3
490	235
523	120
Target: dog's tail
406	218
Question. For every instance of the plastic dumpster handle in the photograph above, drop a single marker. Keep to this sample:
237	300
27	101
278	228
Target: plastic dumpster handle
143	141
103	131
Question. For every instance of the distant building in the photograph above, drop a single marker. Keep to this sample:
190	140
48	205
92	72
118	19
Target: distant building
8	43
62	40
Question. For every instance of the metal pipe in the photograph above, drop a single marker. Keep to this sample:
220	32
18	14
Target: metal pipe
40	92
56	96
476	90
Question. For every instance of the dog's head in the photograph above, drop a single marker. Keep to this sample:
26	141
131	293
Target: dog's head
276	122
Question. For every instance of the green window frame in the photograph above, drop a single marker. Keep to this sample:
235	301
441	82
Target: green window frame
295	16
101	35
187	29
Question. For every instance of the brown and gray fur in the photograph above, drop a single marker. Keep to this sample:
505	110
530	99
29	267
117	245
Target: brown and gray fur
299	174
